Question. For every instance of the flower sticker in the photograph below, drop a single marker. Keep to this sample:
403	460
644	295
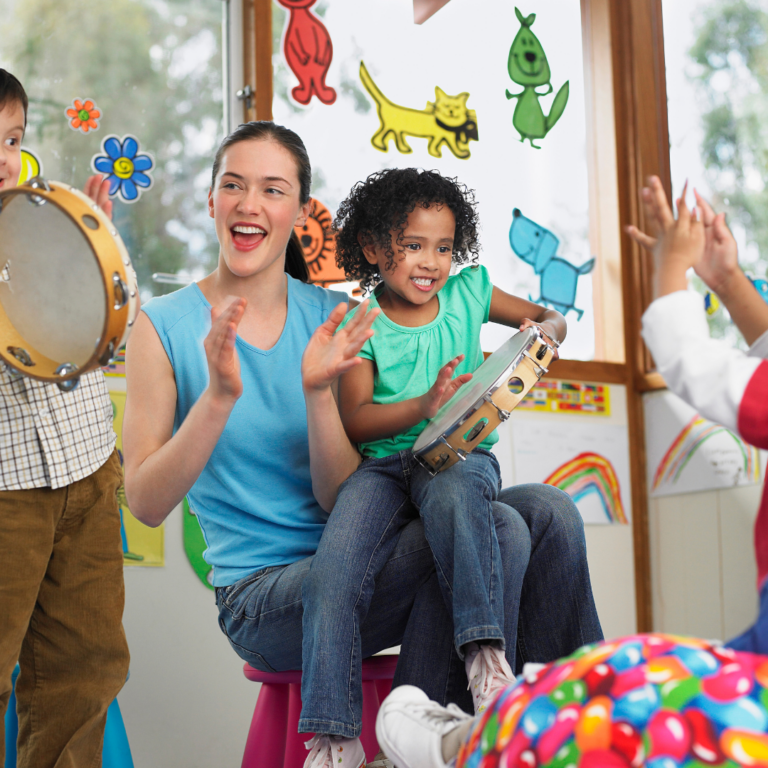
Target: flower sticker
83	116
126	168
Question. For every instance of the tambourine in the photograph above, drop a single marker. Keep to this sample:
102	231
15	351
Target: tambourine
68	292
497	387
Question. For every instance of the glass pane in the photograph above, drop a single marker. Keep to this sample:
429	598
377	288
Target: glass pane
153	70
461	52
717	81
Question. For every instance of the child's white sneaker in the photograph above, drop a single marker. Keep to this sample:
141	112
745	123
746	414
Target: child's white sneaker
410	728
334	752
488	673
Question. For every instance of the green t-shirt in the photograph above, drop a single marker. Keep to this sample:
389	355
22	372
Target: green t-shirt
408	359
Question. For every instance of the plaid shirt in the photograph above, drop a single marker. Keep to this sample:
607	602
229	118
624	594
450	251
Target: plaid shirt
50	438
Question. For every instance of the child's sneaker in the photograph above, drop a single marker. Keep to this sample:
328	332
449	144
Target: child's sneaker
334	752
410	728
488	673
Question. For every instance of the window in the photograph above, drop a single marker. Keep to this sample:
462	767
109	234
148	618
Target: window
467	52
153	69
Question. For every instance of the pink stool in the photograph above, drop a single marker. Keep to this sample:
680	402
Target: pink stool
273	739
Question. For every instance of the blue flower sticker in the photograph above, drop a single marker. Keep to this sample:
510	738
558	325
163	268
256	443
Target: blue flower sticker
125	168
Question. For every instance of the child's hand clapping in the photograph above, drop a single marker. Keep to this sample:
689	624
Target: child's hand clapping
443	389
720	261
677	244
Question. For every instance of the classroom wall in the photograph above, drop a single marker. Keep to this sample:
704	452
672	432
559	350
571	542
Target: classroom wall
702	562
187	702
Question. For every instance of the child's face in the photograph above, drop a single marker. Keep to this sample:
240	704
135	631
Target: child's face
11	133
422	258
255	205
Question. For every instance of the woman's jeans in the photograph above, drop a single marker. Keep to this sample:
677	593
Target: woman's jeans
540	535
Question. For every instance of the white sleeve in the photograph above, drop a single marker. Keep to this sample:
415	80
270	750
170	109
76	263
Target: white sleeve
707	373
760	347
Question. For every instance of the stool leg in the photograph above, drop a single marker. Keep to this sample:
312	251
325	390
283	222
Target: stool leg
265	747
370	710
295	751
383	688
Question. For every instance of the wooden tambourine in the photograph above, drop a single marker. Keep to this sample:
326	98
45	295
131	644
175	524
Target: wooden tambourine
497	387
68	292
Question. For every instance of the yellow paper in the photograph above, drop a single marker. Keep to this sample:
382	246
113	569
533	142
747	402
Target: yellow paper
145	545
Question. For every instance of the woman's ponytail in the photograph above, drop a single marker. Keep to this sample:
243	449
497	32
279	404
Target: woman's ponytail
295	263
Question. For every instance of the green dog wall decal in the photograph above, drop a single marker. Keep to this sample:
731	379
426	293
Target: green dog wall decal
528	66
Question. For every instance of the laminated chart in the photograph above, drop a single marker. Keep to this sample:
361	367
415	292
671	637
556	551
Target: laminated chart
568	397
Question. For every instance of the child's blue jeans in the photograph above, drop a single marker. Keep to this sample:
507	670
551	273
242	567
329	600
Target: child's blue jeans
541	538
755	639
372	507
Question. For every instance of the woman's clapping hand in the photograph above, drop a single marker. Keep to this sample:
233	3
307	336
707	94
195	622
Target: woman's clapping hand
330	353
223	364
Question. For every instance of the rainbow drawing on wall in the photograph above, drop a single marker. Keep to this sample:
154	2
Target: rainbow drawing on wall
591	473
695	433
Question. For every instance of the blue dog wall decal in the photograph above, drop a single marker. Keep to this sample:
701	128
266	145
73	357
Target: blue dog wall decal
537	246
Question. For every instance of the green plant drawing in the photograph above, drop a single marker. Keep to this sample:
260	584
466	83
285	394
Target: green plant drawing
528	66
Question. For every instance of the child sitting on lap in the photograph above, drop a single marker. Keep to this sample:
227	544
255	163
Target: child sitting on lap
402	230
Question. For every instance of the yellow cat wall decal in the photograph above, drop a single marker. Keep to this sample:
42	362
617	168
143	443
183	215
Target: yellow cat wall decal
447	121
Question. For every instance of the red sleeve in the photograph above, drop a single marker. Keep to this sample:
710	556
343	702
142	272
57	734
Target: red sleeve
753	409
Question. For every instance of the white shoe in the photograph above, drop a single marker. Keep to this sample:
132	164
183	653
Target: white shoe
334	752
410	728
488	674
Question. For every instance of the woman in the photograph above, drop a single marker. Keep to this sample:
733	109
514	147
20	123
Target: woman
223	408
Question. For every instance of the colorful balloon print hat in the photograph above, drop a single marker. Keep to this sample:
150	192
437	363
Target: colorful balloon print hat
647	700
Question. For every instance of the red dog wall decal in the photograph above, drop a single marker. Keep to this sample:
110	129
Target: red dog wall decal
308	49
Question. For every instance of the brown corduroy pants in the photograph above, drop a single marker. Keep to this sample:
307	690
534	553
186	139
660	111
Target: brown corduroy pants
61	609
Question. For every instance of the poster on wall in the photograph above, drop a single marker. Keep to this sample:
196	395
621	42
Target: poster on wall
687	453
142	545
587	460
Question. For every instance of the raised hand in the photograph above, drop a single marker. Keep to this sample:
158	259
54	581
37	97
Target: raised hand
720	261
444	388
330	353
223	364
97	188
676	244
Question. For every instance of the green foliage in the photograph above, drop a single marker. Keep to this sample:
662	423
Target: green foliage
153	67
731	77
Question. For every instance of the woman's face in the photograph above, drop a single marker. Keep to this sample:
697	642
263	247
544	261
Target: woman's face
255	205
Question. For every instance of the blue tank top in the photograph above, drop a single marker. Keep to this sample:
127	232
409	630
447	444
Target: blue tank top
254	497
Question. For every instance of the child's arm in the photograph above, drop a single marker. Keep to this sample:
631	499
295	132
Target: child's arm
365	420
519	313
707	373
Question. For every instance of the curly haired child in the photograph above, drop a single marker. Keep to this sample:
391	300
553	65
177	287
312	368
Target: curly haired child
400	232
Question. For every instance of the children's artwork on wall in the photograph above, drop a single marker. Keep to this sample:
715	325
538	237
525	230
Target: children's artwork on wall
194	545
586	459
308	51
142	545
687	453
537	246
591	473
116	366
761	286
447	121
554	396
319	246
83	116
31	165
528	66
126	169
426	9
